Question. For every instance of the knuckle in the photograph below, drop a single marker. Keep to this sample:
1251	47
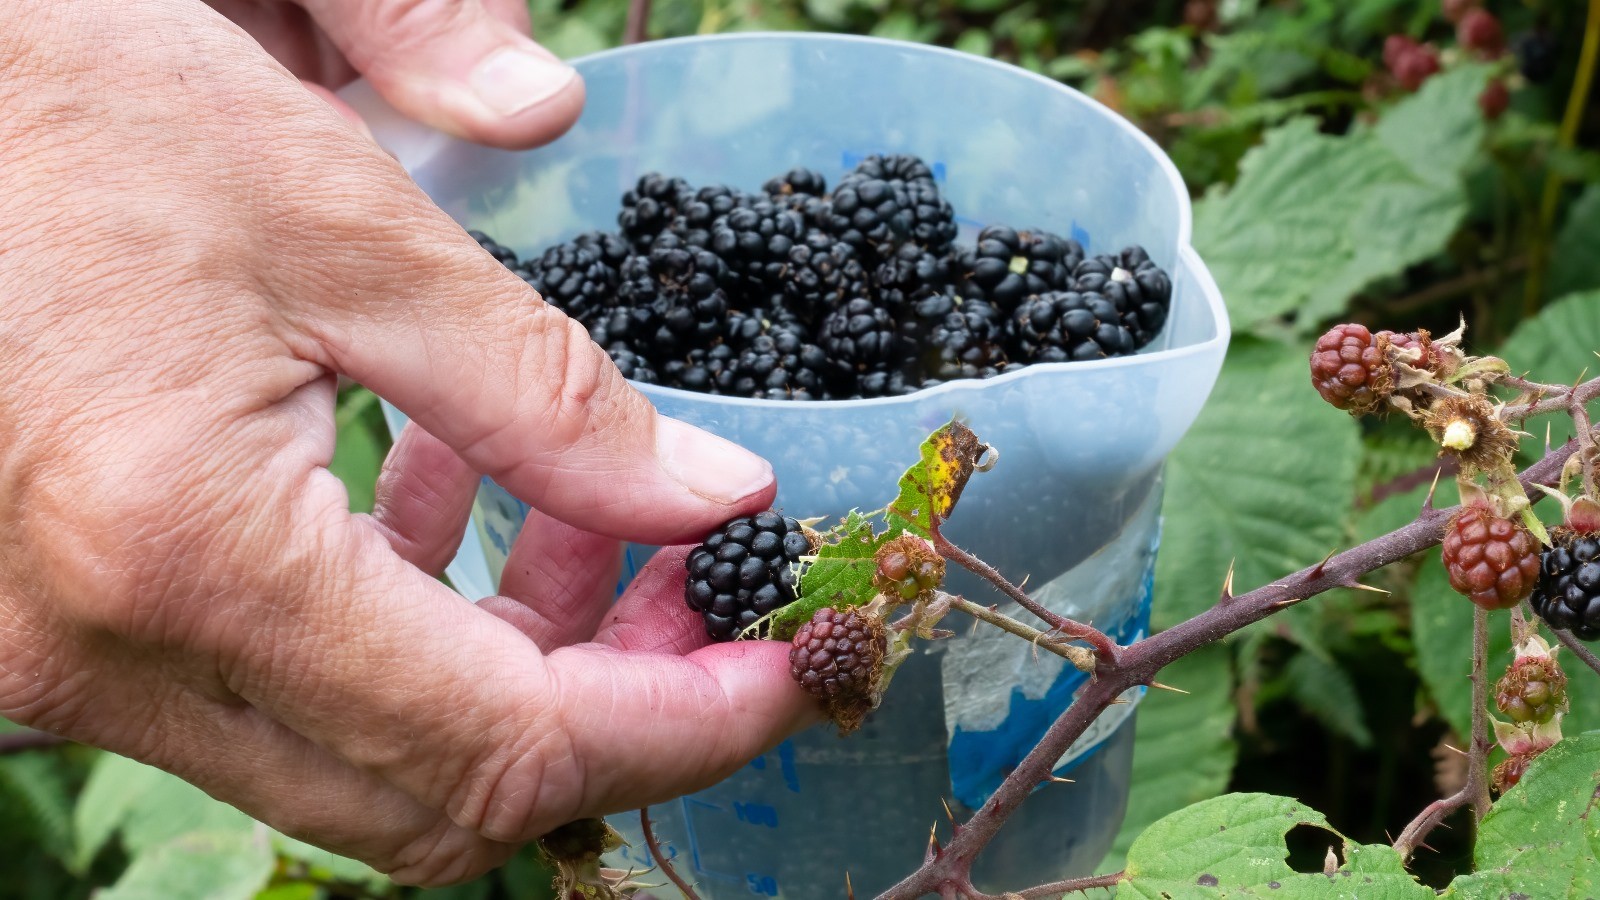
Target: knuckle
517	790
441	856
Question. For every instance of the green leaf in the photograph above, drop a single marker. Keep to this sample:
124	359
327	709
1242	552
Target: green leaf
291	890
1315	218
1556	347
1233	846
1574	266
1264	479
197	866
357	452
840	576
33	784
930	488
1541	839
1326	691
146	806
325	866
1183	749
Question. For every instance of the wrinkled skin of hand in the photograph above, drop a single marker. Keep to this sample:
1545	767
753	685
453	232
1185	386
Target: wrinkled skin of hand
194	247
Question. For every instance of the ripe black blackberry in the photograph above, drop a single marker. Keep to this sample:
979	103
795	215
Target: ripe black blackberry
908	276
968	342
633	327
755	240
1006	265
632	366
504	254
574	277
796	181
861	337
744	571
683	287
651	206
779	366
889	383
821	273
612	248
1568	593
1069	326
876	215
1141	291
1537	55
894	167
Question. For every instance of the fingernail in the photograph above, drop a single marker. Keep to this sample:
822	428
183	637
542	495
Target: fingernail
710	467
511	80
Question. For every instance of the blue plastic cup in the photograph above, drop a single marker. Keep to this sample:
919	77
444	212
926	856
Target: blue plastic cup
1073	503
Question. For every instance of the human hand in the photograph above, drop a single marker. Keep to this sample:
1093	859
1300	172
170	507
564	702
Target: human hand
193	249
466	67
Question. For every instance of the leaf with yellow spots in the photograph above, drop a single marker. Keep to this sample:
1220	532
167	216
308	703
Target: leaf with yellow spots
929	490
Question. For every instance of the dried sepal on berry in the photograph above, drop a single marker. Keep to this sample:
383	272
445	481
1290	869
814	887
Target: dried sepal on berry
838	657
909	569
1469	427
573	851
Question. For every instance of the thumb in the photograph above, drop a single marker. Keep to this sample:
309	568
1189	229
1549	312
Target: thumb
463	66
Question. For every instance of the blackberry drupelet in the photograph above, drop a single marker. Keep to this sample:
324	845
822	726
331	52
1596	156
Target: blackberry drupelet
894	167
1568	594
861	337
1007	266
797	181
1069	326
1139	288
744	571
504	254
821	273
968	343
612	248
779	366
701	369
651	206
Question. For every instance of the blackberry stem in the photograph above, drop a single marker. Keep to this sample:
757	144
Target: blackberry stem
23	741
1477	787
1075	655
1105	649
1586	447
946	872
661	860
1562	398
1426	821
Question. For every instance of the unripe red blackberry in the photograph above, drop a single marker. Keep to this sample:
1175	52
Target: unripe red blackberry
1415	66
1492	560
908	567
1533	690
1456	10
1510	771
1348	369
838	657
1480	32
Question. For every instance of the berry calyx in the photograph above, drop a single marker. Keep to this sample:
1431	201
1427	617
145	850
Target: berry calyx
745	571
838	658
1534	688
1492	560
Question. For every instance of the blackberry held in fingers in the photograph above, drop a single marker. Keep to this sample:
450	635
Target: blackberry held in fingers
838	658
744	571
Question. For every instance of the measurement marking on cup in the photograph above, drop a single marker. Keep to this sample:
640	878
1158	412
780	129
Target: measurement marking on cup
756	813
689	806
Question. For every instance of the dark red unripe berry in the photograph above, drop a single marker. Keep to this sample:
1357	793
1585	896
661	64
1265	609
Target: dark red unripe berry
1492	560
1479	31
1414	67
837	654
1348	369
1396	46
1494	99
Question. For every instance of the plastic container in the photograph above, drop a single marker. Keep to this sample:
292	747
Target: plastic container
1073	504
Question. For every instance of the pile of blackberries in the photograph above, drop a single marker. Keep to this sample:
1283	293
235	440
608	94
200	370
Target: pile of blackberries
796	292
